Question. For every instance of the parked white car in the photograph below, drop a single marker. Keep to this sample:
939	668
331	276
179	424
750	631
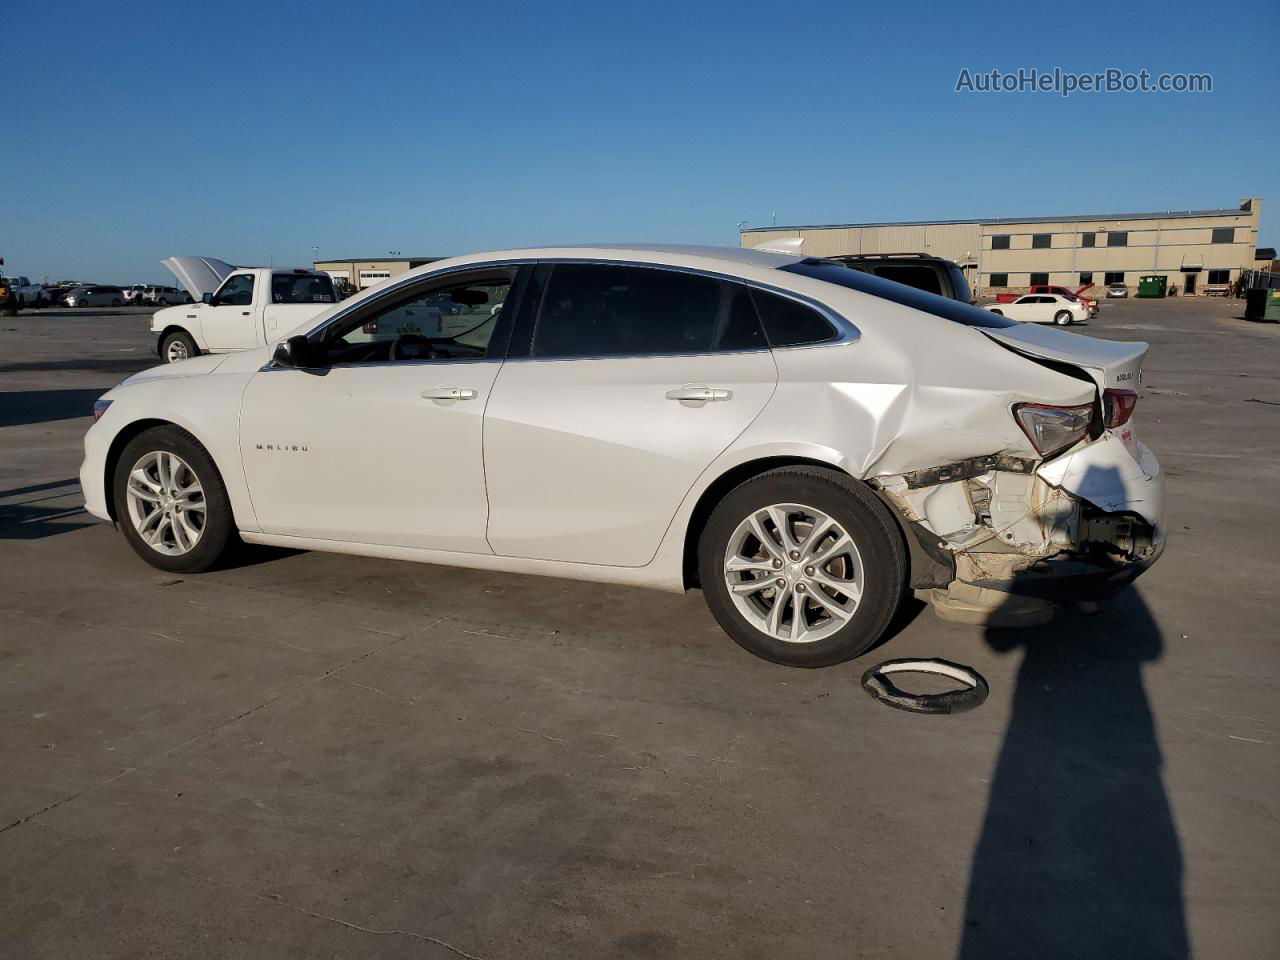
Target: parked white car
803	441
133	294
238	308
1042	308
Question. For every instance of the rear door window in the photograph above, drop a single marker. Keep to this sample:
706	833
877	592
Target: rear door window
607	310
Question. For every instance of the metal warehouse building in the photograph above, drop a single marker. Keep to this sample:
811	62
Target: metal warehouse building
1198	251
361	273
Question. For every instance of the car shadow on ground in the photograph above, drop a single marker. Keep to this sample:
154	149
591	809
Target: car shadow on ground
18	407
1079	855
37	517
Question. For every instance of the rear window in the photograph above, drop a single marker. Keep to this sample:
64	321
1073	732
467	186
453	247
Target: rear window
921	277
301	288
944	307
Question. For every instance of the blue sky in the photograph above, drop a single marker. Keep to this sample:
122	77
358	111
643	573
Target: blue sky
257	132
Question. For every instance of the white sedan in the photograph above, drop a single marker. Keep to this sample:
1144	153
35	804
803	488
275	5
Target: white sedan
802	441
1043	308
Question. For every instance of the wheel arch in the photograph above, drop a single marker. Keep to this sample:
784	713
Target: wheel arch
121	440
175	328
922	565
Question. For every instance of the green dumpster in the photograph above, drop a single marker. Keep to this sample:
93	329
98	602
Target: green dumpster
1262	305
1152	286
1272	312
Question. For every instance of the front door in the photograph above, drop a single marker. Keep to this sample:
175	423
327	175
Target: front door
227	322
636	379
380	442
1189	284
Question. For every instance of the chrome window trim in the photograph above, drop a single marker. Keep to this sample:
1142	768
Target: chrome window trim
846	330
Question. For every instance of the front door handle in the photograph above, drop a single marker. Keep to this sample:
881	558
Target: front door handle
449	393
692	391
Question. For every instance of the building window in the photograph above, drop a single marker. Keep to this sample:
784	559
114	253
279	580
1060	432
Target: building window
1118	238
1039	279
1219	276
1224	235
1114	277
1041	241
1088	240
1086	277
1000	279
999	241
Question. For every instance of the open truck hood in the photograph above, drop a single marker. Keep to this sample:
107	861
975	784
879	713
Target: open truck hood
199	275
1112	364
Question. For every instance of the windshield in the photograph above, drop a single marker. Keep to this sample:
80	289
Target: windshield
944	307
302	288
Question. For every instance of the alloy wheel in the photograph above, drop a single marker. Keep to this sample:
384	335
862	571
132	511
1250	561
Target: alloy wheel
793	572
177	350
166	503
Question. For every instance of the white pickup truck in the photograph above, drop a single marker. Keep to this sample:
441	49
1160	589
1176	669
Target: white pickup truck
236	308
26	293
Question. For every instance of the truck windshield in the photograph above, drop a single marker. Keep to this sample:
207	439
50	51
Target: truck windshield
301	288
834	272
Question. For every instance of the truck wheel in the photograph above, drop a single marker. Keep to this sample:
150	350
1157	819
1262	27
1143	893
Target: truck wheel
802	566
171	501
178	346
164	302
1062	318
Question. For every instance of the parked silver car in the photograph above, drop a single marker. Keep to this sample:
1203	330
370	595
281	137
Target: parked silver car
94	296
164	296
1115	290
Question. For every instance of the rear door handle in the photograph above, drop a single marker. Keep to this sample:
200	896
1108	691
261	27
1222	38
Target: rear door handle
699	392
449	393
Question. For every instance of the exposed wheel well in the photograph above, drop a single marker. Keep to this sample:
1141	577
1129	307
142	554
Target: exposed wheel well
717	491
117	447
926	567
173	328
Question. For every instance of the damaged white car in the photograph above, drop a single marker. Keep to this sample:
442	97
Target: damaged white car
804	442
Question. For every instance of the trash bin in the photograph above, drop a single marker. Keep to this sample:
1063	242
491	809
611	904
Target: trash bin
1262	304
1272	311
1152	286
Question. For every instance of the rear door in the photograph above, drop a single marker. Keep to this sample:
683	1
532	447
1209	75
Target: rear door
623	384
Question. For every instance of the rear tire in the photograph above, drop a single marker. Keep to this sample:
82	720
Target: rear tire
834	625
115	302
207	511
1062	318
178	346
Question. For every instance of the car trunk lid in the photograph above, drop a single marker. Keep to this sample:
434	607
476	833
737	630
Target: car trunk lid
1111	364
199	275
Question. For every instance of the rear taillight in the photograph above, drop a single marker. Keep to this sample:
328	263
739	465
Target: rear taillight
1053	429
1117	406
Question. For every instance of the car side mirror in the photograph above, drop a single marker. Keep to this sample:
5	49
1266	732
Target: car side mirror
206	298
295	352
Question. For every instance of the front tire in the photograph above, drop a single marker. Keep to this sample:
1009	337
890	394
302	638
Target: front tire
82	304
171	502
803	566
1062	318
178	346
